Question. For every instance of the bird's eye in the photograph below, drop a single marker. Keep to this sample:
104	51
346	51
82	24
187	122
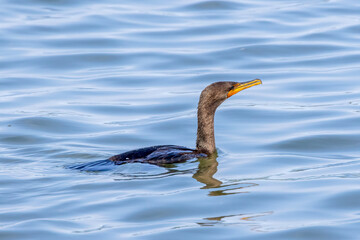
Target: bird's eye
232	88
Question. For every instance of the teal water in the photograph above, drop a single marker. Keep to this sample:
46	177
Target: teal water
84	80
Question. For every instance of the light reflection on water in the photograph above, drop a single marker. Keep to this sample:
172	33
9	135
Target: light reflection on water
82	81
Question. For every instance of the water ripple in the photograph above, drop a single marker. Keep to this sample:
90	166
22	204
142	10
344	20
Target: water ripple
84	80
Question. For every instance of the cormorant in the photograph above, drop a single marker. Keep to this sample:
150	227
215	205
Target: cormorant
210	99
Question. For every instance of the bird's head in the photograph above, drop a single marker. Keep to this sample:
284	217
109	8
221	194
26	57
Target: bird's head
216	93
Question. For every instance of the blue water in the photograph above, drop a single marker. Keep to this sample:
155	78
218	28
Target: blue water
83	80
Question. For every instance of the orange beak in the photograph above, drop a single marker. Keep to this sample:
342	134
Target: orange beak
244	85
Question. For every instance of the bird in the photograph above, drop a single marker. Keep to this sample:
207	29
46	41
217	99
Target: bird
210	99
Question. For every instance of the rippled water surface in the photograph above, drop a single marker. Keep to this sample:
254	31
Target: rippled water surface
84	80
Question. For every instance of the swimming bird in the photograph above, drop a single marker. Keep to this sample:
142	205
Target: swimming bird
210	99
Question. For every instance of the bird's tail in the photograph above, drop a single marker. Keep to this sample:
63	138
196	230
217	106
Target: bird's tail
96	166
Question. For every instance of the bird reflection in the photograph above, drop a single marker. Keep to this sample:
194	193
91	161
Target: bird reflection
205	174
206	170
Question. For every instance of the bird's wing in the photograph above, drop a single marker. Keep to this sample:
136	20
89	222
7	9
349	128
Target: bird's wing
170	154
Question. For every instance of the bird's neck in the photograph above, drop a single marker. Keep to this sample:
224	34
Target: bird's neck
205	142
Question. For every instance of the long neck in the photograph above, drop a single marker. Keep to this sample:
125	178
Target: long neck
205	141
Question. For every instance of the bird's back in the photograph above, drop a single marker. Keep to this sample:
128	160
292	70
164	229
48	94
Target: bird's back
157	155
162	154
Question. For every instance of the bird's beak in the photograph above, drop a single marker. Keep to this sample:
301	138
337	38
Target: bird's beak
243	85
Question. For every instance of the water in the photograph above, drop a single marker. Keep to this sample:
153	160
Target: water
84	80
